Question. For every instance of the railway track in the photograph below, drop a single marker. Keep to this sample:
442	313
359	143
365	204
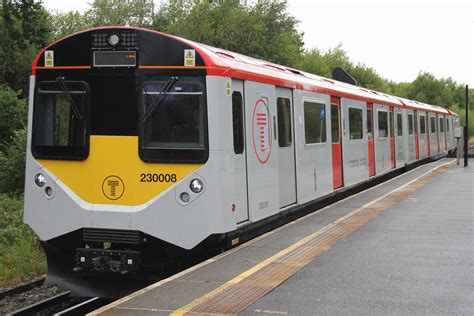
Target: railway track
62	304
23	287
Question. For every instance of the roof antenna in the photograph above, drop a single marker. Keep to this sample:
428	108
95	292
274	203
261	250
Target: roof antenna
340	74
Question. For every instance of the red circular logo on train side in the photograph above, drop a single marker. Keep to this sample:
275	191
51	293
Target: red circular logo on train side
261	131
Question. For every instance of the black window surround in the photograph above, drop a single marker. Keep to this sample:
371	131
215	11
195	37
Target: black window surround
54	137
168	139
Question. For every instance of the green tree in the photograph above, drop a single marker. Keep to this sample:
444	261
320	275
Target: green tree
323	63
12	114
264	30
121	12
429	89
69	23
24	30
104	13
12	164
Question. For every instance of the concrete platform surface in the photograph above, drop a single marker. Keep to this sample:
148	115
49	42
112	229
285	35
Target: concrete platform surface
416	257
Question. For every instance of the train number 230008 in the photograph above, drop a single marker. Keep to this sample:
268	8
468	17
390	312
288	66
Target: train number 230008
158	177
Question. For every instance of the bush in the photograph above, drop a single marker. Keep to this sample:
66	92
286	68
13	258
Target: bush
12	114
12	164
21	256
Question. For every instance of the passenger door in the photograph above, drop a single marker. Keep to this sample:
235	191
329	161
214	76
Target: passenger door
400	137
411	145
370	138
337	173
240	203
286	147
417	138
392	138
382	139
262	150
354	141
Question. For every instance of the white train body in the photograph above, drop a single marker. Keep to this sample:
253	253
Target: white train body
277	139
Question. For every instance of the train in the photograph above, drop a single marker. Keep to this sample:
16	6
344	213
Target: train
144	147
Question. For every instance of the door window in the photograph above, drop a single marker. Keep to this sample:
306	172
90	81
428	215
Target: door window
433	124
284	122
410	124
314	122
355	124
238	122
399	124
422	124
392	124
382	123
335	123
369	124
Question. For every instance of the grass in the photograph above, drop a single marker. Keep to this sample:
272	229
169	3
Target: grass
470	141
21	256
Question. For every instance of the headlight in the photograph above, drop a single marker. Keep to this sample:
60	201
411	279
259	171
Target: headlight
185	197
40	180
113	39
196	186
48	191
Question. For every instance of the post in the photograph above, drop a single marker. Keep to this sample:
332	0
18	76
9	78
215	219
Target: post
458	151
466	128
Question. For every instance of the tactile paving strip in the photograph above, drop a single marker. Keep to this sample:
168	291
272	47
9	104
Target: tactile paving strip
245	289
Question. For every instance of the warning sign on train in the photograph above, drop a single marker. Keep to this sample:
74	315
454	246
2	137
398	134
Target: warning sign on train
49	58
189	57
261	131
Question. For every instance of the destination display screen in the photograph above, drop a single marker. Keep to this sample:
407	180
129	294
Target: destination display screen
115	59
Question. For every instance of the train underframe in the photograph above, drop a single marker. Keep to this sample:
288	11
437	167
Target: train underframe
88	266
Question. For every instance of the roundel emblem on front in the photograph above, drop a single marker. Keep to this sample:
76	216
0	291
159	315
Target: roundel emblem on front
113	187
261	131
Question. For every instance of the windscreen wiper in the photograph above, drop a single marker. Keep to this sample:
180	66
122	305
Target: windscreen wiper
75	109
161	97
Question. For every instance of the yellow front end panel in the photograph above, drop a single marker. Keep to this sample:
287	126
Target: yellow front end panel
114	173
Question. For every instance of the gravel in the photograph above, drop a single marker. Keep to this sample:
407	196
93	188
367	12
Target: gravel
12	303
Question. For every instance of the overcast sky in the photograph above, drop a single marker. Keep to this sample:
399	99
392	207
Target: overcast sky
397	38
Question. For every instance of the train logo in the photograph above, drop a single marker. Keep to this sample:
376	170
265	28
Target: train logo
261	131
113	187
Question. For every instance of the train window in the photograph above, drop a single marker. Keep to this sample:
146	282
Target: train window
433	124
369	124
238	122
422	124
392	124
356	130
447	125
335	123
441	124
60	120
382	124
173	121
410	124
284	122
399	124
314	122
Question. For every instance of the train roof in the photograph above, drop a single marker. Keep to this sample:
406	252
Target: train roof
221	62
416	105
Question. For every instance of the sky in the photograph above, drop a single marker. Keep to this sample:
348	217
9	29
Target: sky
396	38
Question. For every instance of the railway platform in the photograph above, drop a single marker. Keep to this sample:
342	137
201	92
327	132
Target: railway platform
405	246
